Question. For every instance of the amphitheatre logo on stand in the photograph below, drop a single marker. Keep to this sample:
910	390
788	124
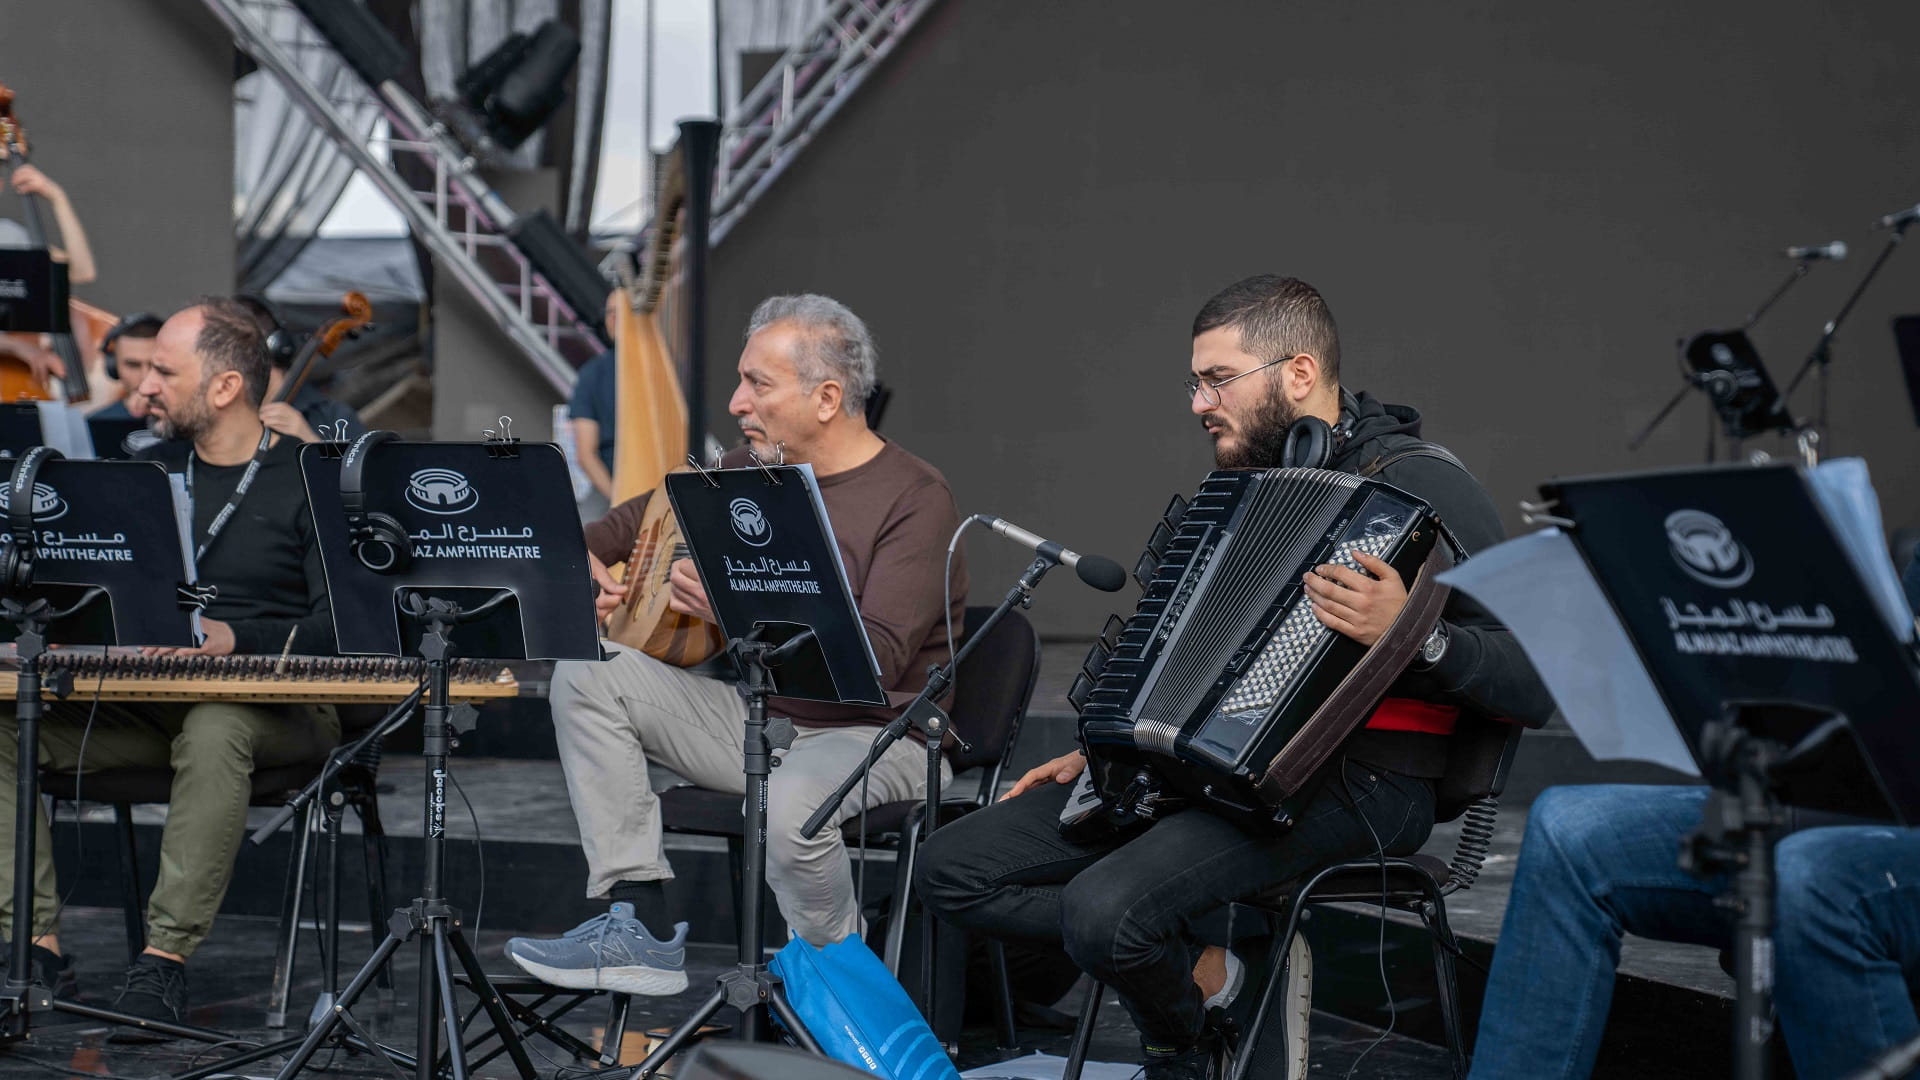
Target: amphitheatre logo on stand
441	491
749	522
1705	548
47	503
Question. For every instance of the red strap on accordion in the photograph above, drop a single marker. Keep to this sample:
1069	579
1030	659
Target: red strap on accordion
1411	714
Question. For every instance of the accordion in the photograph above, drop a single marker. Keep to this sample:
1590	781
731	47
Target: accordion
1224	689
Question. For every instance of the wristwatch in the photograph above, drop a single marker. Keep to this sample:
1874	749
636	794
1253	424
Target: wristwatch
1432	649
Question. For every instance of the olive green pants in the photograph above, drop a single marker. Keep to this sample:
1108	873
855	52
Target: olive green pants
212	748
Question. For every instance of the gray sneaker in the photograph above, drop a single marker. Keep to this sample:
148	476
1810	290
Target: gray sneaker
607	952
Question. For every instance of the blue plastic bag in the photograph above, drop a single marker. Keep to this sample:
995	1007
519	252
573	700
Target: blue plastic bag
858	1013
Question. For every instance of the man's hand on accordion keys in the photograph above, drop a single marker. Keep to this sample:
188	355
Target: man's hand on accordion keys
1064	769
1361	606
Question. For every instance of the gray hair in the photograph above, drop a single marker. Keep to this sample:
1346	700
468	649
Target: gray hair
835	345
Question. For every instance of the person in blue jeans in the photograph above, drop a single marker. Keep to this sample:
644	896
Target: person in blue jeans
1599	862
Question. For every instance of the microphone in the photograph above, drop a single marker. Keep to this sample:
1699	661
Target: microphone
1098	571
1835	251
1899	219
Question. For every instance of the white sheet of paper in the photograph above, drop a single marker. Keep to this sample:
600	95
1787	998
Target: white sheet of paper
1845	493
1540	587
1048	1067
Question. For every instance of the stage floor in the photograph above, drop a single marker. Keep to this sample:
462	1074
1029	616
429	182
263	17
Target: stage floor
228	980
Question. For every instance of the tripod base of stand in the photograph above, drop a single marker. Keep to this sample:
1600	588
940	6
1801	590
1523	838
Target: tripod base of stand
439	924
747	987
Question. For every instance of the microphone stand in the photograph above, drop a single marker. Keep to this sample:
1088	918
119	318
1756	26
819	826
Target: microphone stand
925	715
1822	354
1694	381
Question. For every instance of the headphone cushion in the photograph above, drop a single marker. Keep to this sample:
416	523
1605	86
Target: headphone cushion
1309	444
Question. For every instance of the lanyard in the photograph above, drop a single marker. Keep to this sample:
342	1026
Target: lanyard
246	481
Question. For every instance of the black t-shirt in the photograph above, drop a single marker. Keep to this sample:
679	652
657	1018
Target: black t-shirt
265	563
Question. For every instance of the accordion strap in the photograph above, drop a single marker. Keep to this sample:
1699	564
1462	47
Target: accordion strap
1354	700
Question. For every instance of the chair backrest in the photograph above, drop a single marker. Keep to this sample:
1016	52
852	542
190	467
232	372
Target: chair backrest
1479	756
992	690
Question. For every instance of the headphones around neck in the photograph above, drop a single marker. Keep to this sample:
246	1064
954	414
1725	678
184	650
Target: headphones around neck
125	326
1309	444
377	541
17	567
282	346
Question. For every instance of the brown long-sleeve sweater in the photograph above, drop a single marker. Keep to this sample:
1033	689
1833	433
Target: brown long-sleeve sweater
892	518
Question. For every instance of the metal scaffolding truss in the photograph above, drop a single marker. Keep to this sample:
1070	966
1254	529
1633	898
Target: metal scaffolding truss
790	104
463	222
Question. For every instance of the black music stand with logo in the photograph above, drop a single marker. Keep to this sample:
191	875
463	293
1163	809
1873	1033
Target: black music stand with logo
84	560
483	536
33	292
765	551
1750	596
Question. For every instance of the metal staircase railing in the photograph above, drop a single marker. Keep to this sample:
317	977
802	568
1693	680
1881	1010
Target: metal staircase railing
470	230
790	104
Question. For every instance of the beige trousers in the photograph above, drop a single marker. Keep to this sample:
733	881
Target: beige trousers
613	717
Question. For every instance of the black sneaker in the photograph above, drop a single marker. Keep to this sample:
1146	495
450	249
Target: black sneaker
156	990
50	969
1189	1063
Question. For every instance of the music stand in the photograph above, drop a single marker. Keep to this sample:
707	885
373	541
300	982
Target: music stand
1748	595
33	292
482	536
84	560
765	551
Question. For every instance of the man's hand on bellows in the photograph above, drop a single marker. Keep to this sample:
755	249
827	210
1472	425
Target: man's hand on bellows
1061	770
611	594
688	596
1361	606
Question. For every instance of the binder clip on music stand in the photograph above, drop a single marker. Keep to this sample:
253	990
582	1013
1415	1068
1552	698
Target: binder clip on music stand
403	576
95	580
764	548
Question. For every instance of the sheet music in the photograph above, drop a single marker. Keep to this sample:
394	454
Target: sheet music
839	564
1540	587
183	519
1846	493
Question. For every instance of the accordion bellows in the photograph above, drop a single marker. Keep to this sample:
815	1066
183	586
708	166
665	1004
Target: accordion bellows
1223	687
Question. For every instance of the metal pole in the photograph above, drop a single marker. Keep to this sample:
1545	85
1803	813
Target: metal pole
436	734
753	858
699	149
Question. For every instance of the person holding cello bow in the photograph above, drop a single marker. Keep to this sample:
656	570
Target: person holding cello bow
805	375
27	366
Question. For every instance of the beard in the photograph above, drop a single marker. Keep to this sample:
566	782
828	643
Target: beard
189	423
1260	437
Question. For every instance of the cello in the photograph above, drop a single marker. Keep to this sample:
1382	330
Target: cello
17	379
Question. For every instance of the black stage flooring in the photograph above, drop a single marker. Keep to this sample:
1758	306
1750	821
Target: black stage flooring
228	980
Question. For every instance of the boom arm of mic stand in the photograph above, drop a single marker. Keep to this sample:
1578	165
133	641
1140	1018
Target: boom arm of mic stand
335	762
922	708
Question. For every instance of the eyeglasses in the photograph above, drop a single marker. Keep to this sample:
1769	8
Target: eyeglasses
1209	390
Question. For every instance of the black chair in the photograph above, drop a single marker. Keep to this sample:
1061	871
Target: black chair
271	786
1479	758
991	695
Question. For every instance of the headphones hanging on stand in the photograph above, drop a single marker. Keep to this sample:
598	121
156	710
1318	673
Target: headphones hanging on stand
282	346
17	568
377	541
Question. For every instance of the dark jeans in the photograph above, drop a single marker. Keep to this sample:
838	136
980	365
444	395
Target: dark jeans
1124	911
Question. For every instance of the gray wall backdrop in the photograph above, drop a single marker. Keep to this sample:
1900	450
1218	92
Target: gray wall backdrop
129	105
1514	209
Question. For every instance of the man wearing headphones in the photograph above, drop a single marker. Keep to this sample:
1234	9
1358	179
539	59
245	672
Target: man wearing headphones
127	350
309	413
254	543
1266	363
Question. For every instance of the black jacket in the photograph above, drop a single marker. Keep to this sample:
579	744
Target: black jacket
1483	670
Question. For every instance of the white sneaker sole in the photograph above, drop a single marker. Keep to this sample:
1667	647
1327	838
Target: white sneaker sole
1298	1003
650	982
